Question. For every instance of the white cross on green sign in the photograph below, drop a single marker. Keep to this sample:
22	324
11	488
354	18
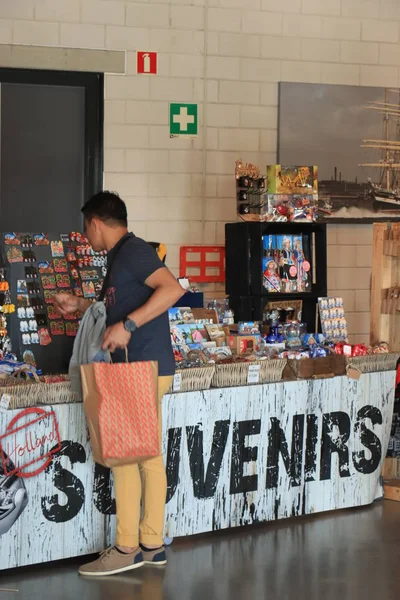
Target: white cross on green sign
183	119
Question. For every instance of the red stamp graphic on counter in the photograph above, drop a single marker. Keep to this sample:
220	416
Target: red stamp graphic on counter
30	442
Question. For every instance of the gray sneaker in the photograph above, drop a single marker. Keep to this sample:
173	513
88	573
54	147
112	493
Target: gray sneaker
111	562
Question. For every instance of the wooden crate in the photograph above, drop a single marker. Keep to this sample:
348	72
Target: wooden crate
318	368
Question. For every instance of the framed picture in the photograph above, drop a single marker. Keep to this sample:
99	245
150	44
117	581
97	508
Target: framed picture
352	134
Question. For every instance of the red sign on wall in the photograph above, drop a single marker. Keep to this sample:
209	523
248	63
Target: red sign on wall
147	63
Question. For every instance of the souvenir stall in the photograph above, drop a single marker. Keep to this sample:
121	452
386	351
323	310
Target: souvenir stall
272	413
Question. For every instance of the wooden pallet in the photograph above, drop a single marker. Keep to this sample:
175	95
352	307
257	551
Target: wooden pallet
385	324
392	490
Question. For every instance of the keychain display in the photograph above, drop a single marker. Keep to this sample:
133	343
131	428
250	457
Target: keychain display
29	256
333	320
31	273
27	241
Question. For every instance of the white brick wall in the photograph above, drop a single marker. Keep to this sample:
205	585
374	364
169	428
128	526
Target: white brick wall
229	58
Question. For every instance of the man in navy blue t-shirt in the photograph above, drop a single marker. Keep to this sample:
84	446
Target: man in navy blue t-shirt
138	292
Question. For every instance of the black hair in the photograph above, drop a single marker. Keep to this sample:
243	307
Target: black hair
108	207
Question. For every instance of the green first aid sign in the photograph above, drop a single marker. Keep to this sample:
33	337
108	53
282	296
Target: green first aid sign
183	119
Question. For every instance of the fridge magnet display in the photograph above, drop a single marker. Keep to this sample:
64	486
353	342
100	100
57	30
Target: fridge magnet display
63	281
57	328
46	267
44	336
14	255
57	249
60	265
77	290
87	275
70	254
71	329
49	296
64	237
333	321
53	313
88	289
40	239
49	282
71	316
11	239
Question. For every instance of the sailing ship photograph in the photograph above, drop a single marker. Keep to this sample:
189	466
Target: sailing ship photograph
353	134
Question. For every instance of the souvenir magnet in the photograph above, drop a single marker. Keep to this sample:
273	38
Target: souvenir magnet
44	337
14	255
11	239
57	249
49	282
46	267
88	289
60	265
40	239
63	281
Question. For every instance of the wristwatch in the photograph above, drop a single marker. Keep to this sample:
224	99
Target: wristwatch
129	325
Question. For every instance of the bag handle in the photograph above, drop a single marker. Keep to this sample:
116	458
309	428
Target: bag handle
116	249
126	355
24	371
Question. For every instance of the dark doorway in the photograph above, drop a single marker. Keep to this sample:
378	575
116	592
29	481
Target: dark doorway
51	140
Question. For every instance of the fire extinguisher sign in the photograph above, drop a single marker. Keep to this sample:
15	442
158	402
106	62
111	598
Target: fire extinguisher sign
146	63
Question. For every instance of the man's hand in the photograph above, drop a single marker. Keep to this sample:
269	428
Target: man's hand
67	304
115	337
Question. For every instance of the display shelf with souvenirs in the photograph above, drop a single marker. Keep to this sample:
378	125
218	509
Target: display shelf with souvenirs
283	262
278	194
37	266
279	347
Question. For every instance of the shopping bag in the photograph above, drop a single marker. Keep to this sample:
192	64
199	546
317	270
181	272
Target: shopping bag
120	401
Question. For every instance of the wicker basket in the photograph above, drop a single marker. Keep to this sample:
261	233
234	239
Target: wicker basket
374	363
195	379
236	374
25	393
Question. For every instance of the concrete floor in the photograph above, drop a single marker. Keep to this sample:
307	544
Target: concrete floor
347	555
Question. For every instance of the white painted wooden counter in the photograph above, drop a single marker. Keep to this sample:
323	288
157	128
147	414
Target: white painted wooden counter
234	456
